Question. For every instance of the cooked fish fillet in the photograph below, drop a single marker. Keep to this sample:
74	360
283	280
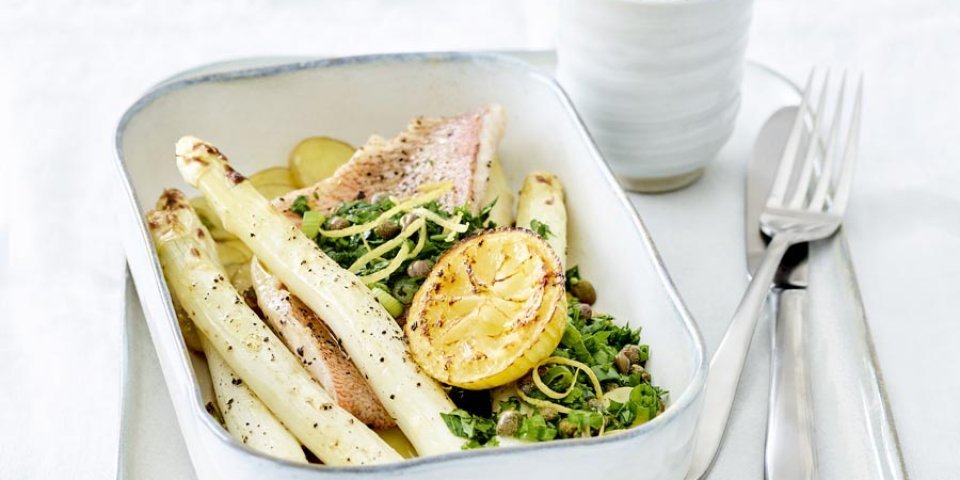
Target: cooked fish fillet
459	148
311	341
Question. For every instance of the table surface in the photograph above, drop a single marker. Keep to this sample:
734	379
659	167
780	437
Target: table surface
71	67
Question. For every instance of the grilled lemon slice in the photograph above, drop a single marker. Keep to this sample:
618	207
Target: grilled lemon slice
492	307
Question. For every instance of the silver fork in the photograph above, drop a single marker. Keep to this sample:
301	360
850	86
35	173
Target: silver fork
805	204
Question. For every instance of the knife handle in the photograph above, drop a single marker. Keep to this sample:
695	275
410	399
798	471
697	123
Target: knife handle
727	362
789	452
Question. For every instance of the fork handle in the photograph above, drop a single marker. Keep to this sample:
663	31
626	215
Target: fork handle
727	363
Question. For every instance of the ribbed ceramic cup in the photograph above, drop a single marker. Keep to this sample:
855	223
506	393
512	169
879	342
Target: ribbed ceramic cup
656	81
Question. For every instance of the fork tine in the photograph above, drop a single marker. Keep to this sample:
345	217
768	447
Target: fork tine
813	148
779	189
845	180
826	166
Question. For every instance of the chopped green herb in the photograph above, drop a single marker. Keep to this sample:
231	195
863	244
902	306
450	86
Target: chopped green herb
584	423
541	229
480	431
300	205
535	428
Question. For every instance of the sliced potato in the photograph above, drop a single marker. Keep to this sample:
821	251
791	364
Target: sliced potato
272	175
493	306
316	158
275	190
273	182
210	219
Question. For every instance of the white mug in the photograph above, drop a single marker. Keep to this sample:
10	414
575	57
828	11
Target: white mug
656	81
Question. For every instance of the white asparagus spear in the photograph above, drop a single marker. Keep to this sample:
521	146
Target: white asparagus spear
367	332
254	352
499	189
246	417
541	199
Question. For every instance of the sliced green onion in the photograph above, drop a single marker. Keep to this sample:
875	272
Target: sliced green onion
311	223
393	306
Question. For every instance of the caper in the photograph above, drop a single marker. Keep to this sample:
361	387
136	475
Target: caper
632	352
584	291
549	413
387	230
338	223
595	404
407	219
508	423
379	197
526	385
567	428
622	362
419	268
644	374
586	313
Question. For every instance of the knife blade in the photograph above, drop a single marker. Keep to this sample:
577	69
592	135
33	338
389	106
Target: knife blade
789	451
760	172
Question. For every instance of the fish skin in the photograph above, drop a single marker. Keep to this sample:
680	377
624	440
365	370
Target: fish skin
458	148
305	334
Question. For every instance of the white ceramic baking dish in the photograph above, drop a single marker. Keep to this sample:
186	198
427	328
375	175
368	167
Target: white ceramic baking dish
257	115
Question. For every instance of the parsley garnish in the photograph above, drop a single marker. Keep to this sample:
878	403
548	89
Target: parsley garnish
300	205
535	428
540	228
480	431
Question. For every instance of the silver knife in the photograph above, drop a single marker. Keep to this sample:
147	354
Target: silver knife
789	451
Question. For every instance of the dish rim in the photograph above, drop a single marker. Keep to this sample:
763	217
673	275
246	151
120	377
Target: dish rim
185	79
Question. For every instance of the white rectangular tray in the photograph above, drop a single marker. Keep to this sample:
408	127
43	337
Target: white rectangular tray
699	233
258	114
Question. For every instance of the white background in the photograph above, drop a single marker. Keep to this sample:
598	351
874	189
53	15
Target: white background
69	68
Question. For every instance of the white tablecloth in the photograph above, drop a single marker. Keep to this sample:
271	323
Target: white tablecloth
69	68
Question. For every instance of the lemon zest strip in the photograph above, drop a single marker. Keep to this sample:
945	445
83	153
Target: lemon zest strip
542	403
453	224
546	390
431	193
421	240
390	268
570	363
386	246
